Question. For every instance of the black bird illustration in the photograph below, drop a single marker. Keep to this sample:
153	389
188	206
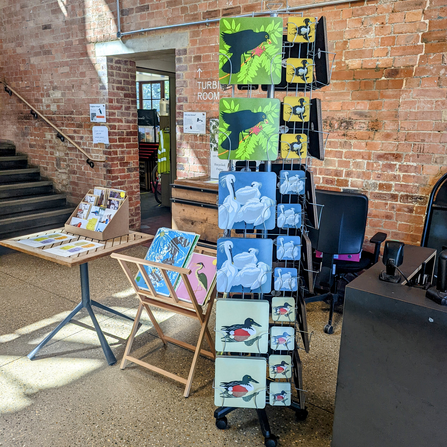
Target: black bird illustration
297	146
240	43
239	122
299	109
304	30
301	72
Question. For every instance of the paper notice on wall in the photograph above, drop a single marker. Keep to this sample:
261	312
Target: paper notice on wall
217	165
194	122
97	113
100	134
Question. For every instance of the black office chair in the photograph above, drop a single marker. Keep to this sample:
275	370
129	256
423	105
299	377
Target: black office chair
341	232
434	234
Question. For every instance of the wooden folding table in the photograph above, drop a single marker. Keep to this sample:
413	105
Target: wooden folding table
109	246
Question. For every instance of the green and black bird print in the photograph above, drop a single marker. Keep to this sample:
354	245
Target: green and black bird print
250	51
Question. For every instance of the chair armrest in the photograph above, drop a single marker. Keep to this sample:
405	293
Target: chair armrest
377	240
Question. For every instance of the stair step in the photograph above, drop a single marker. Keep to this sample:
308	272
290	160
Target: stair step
19	175
7	147
14	225
13	162
26	189
10	207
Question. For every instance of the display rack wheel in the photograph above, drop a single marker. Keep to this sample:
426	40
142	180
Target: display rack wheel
329	329
301	414
271	442
222	423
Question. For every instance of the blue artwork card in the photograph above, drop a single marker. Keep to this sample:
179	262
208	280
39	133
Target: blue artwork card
244	265
285	279
291	182
288	248
168	247
289	215
247	200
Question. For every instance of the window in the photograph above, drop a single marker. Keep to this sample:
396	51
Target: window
149	94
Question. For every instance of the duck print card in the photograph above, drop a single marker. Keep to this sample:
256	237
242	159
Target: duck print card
242	325
282	338
299	71
280	366
301	29
289	215
250	50
240	382
291	182
283	309
248	128
294	145
202	278
288	248
244	265
296	109
280	394
247	200
168	247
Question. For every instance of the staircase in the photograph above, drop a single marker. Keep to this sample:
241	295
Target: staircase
27	203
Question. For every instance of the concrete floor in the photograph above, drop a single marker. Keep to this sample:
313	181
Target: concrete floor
69	396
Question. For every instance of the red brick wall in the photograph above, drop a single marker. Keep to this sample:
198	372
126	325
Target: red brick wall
385	107
48	58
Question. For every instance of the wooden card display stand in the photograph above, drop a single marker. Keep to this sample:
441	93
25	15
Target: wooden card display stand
118	225
172	303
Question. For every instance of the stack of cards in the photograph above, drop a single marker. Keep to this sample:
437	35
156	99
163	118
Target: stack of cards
97	210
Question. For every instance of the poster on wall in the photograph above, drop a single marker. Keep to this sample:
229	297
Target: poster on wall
194	122
216	164
97	113
250	50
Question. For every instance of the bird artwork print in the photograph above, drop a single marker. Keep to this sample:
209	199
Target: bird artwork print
299	71
248	50
294	146
240	44
202	280
238	388
301	29
248	128
296	109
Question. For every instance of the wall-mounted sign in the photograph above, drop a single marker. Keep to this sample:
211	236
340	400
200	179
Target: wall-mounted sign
97	113
100	134
194	122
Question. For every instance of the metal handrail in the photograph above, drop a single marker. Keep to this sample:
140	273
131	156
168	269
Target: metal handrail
61	135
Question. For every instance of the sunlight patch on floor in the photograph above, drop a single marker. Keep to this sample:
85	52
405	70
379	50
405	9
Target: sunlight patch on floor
22	378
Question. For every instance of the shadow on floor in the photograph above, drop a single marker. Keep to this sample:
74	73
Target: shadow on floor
153	215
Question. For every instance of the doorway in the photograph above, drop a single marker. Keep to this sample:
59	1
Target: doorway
155	95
